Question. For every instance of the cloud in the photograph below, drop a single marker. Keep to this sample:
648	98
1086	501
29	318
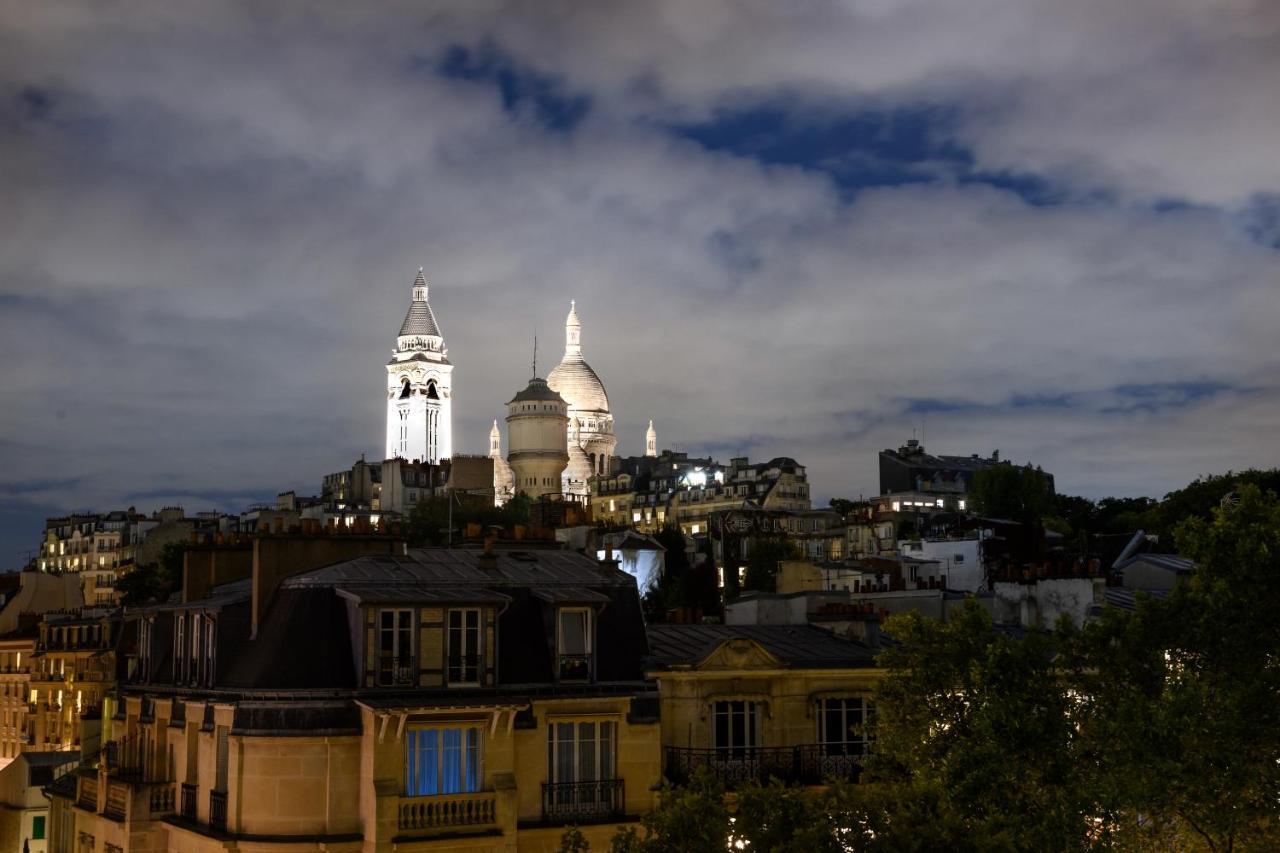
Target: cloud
213	215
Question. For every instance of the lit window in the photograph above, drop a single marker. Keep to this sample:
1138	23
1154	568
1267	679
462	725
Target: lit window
442	761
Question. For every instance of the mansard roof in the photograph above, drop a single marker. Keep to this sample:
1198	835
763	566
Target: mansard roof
796	646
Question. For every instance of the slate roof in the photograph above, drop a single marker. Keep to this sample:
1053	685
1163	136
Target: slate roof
1127	599
537	389
1168	562
463	567
420	321
798	646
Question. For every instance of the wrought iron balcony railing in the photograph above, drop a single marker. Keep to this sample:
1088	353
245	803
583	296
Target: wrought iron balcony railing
187	807
575	667
583	802
218	810
807	764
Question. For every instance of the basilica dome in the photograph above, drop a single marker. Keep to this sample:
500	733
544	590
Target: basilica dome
573	378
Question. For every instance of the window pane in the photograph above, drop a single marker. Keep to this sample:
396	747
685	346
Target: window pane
573	632
606	750
451	763
586	752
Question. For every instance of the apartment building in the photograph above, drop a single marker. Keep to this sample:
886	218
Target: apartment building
394	699
750	702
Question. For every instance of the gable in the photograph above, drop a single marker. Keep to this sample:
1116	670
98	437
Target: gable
739	653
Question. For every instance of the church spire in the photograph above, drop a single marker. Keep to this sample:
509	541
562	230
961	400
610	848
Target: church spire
573	332
420	287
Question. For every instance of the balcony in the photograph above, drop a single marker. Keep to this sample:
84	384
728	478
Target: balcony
188	801
218	810
396	671
87	796
448	812
583	802
807	764
575	667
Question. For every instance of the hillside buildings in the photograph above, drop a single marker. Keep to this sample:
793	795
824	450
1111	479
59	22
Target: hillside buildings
911	469
648	492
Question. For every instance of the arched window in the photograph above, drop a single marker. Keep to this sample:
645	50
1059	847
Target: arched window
404	388
431	391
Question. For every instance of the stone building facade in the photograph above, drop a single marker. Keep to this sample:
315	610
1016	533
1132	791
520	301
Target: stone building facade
421	700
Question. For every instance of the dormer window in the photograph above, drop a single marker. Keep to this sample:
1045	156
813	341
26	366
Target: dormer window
395	648
463	646
573	643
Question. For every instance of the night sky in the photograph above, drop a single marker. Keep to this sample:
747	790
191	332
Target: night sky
798	229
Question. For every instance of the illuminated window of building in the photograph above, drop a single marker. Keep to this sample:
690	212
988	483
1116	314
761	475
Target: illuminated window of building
395	647
844	725
463	645
573	642
442	761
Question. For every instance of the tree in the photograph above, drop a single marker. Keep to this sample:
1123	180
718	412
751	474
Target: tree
153	582
430	521
1019	493
1183	697
844	506
762	563
974	733
668	590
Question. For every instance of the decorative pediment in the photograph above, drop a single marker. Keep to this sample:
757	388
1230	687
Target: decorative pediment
739	653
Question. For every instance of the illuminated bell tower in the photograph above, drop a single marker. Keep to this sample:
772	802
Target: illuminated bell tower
420	386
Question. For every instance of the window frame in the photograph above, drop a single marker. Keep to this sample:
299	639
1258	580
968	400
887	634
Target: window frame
588	644
477	668
602	735
395	680
752	728
847	744
470	762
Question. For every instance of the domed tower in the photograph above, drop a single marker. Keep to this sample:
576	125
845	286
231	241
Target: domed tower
537	439
575	481
420	386
651	441
582	389
503	482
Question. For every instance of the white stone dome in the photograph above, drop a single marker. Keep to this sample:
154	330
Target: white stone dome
573	378
579	385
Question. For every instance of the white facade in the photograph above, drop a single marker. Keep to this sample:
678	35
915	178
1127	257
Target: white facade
651	441
420	386
960	560
575	381
503	479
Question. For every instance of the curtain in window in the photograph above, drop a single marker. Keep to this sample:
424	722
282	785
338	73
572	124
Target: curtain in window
442	761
